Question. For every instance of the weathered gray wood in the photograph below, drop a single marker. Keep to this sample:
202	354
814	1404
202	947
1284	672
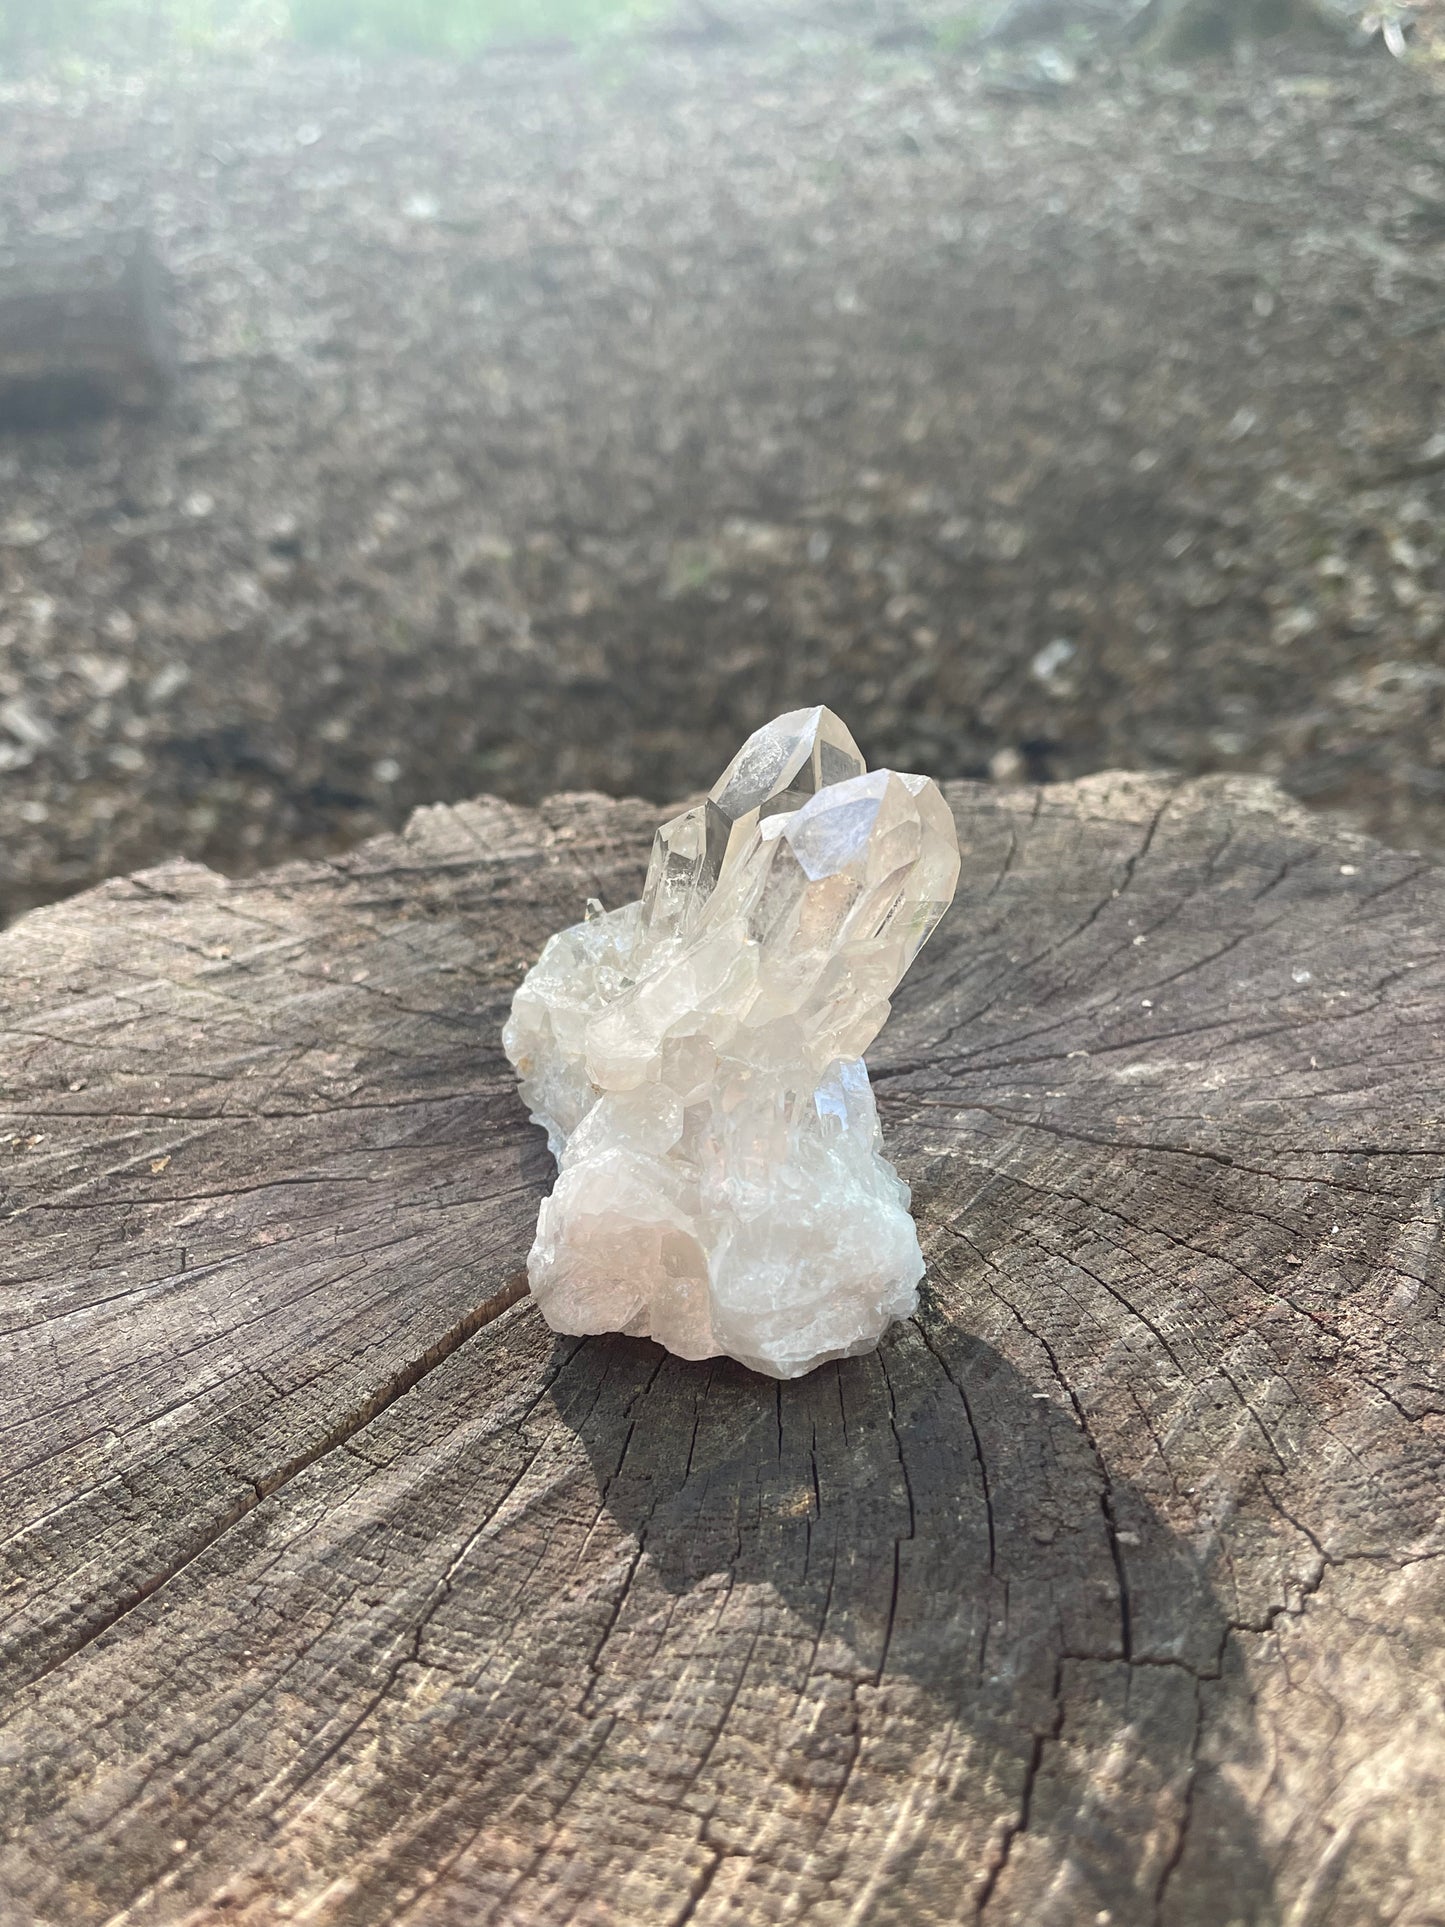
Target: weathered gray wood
337	1589
84	327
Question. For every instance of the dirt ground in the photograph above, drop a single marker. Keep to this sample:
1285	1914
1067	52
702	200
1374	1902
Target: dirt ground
547	422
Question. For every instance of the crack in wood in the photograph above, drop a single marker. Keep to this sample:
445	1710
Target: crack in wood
1119	1560
370	1408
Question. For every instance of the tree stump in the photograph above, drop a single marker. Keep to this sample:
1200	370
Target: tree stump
84	329
1199	29
1109	1589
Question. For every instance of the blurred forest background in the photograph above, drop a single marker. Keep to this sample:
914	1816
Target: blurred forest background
556	388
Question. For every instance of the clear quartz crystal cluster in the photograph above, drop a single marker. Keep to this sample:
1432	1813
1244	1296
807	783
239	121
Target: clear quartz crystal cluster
696	1060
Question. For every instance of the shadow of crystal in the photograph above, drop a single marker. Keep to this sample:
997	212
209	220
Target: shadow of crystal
956	1581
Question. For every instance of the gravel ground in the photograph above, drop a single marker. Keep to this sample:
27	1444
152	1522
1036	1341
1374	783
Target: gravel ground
549	421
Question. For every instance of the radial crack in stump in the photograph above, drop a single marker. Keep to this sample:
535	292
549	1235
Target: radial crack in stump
335	1587
697	1061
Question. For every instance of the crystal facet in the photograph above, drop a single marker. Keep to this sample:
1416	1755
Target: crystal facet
696	1061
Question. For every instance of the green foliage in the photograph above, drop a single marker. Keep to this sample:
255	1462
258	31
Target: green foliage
130	30
450	26
961	29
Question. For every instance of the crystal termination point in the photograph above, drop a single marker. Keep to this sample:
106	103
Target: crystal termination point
696	1061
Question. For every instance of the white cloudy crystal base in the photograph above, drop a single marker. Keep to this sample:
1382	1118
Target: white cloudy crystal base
695	1059
781	1239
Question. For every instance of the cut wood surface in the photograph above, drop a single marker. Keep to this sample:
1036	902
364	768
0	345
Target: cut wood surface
83	328
1109	1590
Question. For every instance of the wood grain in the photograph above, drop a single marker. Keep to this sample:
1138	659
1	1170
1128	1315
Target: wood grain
337	1589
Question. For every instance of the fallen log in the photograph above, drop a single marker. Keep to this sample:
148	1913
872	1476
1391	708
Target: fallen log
84	329
336	1588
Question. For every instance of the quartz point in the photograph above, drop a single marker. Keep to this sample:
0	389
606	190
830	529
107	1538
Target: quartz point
696	1061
